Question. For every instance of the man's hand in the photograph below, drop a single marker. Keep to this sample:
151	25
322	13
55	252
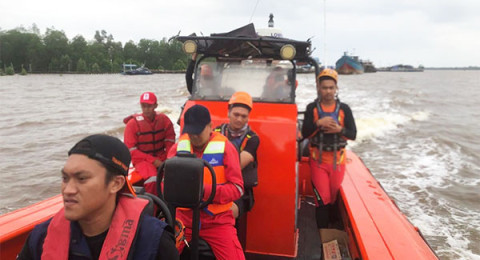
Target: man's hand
328	125
157	163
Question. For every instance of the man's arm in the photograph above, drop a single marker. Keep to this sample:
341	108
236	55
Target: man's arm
249	152
169	134
308	126
245	159
25	254
350	128
189	73
167	249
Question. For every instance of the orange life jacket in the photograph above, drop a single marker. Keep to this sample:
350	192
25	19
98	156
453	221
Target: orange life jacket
119	238
213	154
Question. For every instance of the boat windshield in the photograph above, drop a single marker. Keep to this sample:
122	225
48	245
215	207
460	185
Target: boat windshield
264	80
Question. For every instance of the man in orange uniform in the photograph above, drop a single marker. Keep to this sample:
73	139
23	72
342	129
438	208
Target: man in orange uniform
328	124
149	136
216	221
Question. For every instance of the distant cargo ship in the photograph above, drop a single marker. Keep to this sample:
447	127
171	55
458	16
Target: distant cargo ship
402	68
349	65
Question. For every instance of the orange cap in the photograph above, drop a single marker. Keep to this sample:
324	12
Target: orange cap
241	97
330	73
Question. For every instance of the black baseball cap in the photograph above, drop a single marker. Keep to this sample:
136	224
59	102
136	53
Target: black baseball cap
196	119
108	150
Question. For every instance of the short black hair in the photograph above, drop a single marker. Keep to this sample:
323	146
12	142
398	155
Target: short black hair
239	105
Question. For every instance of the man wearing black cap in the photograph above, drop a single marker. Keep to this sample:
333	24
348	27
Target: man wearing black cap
101	218
216	221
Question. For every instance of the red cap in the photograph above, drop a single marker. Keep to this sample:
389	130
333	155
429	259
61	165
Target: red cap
148	98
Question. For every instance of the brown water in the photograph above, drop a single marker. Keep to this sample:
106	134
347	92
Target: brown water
417	132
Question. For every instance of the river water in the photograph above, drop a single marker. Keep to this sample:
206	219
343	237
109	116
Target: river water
417	132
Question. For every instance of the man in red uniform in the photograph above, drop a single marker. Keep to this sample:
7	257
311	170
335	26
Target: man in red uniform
328	124
216	221
149	136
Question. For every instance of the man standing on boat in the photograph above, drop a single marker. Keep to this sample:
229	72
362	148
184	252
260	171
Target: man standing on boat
149	136
101	217
328	123
246	141
216	220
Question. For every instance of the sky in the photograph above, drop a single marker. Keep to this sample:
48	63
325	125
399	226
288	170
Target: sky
432	33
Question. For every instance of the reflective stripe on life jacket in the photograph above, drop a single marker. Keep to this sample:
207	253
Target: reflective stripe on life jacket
213	154
119	238
151	138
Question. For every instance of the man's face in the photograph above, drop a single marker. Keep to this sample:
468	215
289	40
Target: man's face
199	141
238	117
207	82
84	191
148	110
327	89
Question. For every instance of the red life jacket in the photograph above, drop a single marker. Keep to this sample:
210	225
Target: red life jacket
151	138
213	154
119	238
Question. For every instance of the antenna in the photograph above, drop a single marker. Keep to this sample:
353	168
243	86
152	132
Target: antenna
325	33
253	12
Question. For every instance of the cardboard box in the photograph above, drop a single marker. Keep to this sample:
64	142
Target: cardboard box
334	244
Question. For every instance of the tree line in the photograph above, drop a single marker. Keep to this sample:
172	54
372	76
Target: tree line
28	50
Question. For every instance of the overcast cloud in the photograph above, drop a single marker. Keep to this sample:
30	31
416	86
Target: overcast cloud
433	33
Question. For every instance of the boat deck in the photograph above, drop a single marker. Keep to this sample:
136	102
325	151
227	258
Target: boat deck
309	246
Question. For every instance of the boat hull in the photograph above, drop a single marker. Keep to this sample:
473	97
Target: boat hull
348	65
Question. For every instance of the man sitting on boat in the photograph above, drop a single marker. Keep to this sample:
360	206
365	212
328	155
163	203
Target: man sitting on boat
101	218
216	220
149	136
246	141
276	86
328	123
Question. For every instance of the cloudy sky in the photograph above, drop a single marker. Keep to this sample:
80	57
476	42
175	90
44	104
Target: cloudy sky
433	33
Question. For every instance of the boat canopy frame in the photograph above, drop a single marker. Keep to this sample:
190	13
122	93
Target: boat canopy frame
243	44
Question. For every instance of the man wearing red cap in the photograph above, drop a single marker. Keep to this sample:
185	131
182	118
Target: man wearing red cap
149	136
216	220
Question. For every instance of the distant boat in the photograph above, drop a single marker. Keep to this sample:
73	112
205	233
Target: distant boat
349	65
131	69
368	66
402	68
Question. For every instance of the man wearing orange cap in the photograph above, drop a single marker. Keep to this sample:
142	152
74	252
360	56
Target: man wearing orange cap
246	141
328	123
149	136
101	218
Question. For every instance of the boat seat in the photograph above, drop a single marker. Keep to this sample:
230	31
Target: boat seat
140	191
